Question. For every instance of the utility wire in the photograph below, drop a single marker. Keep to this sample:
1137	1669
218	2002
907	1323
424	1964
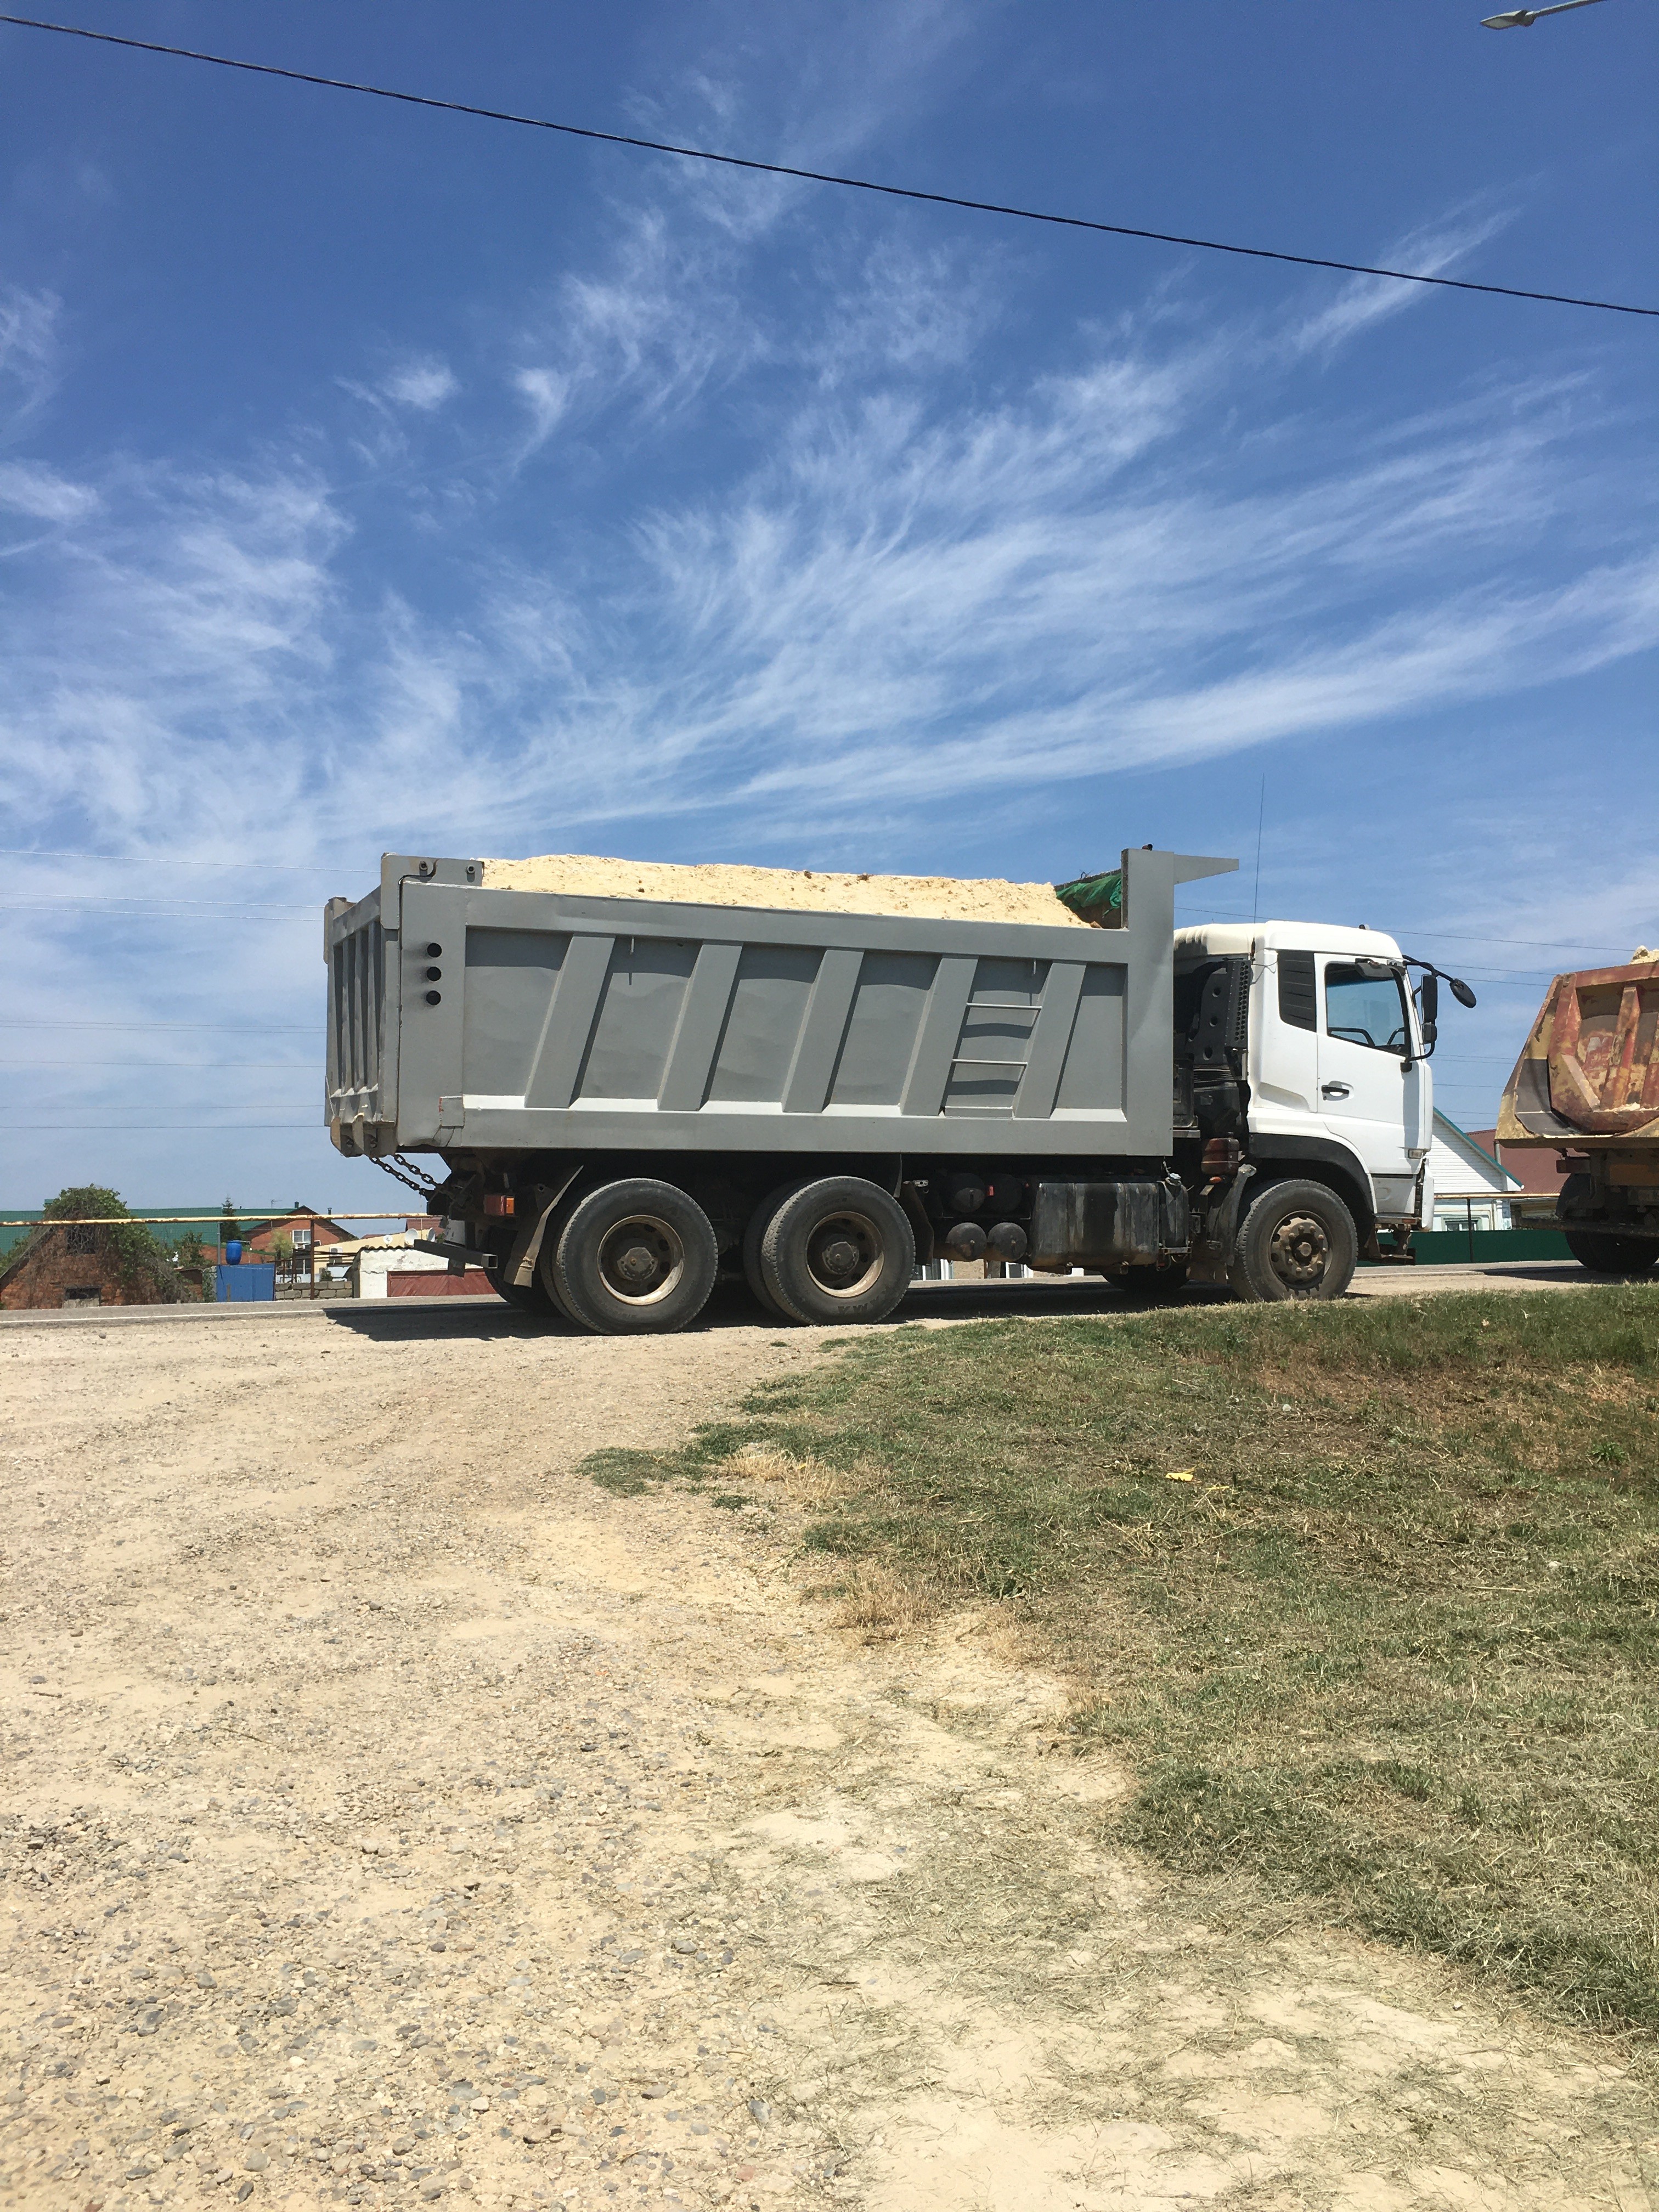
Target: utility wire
171	860
229	1022
824	176
140	909
110	902
166	1066
1454	936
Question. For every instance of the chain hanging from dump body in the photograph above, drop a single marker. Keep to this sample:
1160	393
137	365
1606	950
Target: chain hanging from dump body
410	1181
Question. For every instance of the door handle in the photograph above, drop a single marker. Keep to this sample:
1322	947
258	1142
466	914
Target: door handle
1333	1090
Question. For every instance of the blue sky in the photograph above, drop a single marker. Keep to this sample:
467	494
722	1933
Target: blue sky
371	478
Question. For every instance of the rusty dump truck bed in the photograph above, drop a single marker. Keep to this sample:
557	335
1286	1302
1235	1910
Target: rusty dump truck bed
1587	1080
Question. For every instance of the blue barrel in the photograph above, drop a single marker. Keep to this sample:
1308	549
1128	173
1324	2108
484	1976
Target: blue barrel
233	1253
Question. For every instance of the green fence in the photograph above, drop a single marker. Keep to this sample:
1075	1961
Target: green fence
1453	1248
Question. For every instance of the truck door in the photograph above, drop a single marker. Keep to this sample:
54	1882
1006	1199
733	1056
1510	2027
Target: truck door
1371	1100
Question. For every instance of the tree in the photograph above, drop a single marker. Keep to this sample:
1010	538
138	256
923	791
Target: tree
139	1260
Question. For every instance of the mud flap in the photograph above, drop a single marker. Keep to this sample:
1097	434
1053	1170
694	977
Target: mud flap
1211	1252
521	1269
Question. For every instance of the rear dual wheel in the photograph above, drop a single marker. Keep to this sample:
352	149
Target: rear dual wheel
633	1258
839	1249
531	1297
1604	1252
759	1222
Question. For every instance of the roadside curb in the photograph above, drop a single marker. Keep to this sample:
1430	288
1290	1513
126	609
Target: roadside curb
240	1314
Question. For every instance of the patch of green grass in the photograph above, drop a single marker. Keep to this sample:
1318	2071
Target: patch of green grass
1392	1647
627	1472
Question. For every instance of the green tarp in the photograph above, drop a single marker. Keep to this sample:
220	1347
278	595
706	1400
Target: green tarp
1098	899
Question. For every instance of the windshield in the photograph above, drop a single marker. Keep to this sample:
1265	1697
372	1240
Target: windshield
1364	1007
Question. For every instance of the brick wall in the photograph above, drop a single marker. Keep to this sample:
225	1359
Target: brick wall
61	1262
74	1257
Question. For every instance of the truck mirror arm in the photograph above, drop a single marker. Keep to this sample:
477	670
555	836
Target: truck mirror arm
1428	1007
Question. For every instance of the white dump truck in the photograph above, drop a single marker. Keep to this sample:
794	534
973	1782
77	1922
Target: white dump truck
821	1081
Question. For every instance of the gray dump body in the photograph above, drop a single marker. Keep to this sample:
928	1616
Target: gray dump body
561	1023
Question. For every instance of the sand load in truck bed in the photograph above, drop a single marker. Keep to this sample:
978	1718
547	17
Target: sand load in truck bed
937	898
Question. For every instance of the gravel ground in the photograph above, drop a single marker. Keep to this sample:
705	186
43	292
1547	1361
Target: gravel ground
398	1816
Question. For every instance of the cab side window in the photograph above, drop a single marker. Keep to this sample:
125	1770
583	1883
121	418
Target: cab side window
1365	1008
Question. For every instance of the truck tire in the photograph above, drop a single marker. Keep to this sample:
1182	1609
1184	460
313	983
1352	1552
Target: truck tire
633	1258
533	1297
759	1222
838	1251
1605	1253
1297	1240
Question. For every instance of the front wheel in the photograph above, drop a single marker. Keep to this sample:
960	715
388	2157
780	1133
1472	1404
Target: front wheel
1297	1240
633	1258
840	1250
1605	1253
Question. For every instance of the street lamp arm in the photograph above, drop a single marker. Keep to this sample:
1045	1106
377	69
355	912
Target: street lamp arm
1522	19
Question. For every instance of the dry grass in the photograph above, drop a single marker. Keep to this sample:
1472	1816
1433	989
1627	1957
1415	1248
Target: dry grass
1393	1643
878	1601
806	1482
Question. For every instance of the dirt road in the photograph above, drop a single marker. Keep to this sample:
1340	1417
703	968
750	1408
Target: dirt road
391	1814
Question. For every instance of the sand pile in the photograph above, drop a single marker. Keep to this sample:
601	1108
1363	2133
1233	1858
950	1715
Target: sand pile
936	898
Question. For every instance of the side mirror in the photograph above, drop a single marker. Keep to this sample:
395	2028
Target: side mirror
1431	1036
1428	1000
1460	992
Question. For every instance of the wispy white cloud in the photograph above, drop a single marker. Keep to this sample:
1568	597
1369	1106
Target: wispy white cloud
29	354
1432	250
423	384
909	591
668	312
645	333
161	670
919	566
903	601
546	392
28	487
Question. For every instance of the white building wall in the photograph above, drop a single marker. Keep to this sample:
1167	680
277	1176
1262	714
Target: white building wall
1470	1190
370	1269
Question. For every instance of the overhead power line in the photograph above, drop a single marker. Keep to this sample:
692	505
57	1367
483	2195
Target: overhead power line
172	860
140	909
119	901
229	1022
201	1128
1429	929
824	176
308	1067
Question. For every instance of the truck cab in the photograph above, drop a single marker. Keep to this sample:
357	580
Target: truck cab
1332	1046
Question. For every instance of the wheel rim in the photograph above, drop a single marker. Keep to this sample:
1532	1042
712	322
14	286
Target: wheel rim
1300	1251
642	1260
844	1255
